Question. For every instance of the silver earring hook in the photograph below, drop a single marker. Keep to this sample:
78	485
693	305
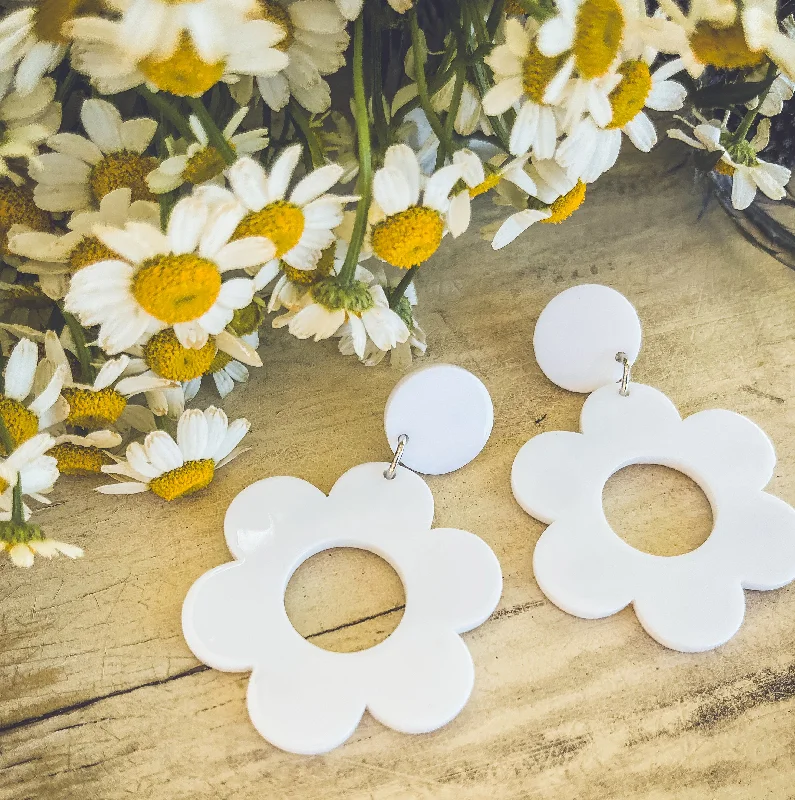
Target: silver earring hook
390	472
623	389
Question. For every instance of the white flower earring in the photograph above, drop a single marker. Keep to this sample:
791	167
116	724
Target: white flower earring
586	340
307	700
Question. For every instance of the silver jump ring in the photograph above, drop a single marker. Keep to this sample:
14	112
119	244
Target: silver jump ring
390	472
623	389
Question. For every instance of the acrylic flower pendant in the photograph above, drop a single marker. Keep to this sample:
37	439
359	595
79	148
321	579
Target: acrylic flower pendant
307	700
689	602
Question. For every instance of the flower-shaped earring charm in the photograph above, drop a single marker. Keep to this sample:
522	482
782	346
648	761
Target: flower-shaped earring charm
690	602
307	700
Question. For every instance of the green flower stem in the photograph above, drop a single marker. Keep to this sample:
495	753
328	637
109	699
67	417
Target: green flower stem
438	82
445	142
301	120
397	294
379	115
452	111
214	134
752	113
494	18
348	269
17	509
158	103
87	372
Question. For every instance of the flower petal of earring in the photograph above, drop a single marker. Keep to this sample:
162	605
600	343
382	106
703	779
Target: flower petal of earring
586	340
302	698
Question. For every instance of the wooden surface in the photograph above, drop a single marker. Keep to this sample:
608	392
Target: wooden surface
100	697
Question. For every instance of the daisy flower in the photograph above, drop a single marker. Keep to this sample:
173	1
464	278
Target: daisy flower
740	161
17	207
168	280
84	455
300	227
31	400
314	41
407	232
201	162
104	402
350	9
226	370
363	305
32	44
478	181
712	34
172	469
27	121
293	284
763	32
590	150
54	256
532	82
100	51
83	170
555	198
154	27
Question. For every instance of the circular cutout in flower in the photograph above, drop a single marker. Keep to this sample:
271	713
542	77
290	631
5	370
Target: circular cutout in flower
690	602
307	700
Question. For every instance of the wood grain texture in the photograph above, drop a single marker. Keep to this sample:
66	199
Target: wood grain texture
100	697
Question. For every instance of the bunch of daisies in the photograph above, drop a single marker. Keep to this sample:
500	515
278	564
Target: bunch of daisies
173	181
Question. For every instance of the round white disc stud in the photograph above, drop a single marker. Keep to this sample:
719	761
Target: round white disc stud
447	414
579	334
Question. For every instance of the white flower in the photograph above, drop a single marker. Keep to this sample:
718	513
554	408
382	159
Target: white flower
24	51
300	227
27	120
350	9
104	401
38	472
406	232
54	255
31	400
690	602
85	455
780	91
762	32
593	145
83	170
202	163
249	48
173	279
748	172
229	371
522	78
315	41
478	182
307	700
363	306
153	27
173	469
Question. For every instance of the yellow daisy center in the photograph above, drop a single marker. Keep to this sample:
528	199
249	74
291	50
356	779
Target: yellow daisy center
409	237
203	166
246	320
724	48
17	208
274	12
724	168
537	72
93	409
183	73
191	477
122	170
281	222
486	185
306	277
176	288
76	459
20	423
4	484
629	97
52	15
513	9
165	356
87	251
567	204
597	38
220	361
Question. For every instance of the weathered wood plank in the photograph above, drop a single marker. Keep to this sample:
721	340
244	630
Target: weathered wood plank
99	696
